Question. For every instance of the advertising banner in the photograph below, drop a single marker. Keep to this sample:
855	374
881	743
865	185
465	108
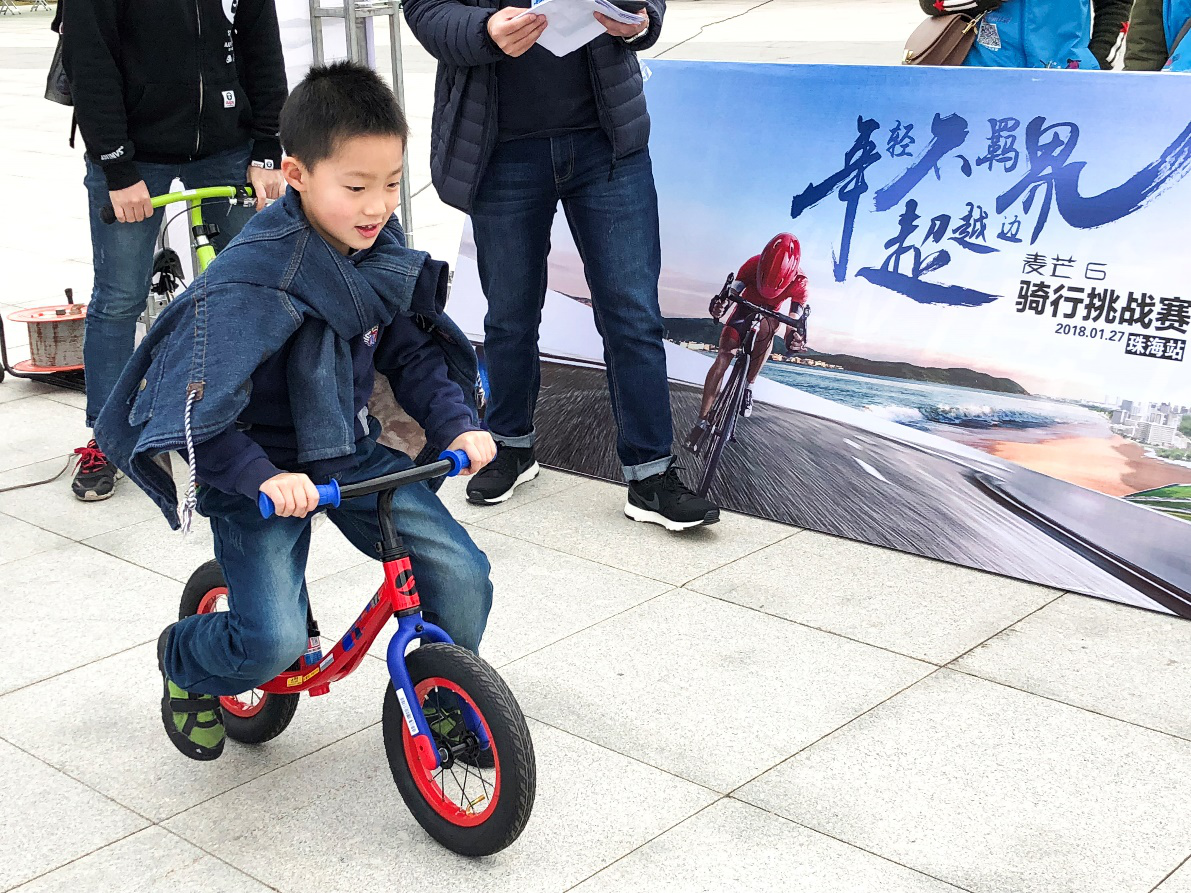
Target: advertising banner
977	351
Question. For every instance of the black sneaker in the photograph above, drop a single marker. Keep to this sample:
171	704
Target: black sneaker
511	468
94	476
664	499
694	440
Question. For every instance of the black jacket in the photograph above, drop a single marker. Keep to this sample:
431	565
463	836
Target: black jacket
173	80
464	126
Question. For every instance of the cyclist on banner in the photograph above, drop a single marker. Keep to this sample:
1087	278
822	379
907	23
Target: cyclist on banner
770	280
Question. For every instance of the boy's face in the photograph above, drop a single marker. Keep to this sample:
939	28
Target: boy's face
350	196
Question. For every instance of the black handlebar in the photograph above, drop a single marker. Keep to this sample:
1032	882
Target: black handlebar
728	295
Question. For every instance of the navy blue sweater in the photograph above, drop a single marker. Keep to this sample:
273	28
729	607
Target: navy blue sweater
263	442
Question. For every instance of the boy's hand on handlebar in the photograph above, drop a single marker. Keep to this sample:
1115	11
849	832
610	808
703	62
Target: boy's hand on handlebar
480	449
132	205
265	184
293	495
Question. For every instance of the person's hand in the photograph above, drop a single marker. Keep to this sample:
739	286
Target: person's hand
795	343
480	449
293	495
132	205
515	38
718	307
616	29
266	184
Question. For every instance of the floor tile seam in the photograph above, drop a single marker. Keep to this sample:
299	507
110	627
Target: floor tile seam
108	797
819	629
1080	707
703	28
794	531
255	778
621	570
1169	875
934	671
1007	627
591	625
852	845
75	669
628	756
49	871
646	843
206	852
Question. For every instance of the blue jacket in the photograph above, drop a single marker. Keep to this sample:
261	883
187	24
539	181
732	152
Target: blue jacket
1035	34
1175	15
464	128
278	284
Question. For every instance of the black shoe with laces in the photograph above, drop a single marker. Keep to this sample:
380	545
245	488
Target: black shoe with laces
94	476
511	468
664	499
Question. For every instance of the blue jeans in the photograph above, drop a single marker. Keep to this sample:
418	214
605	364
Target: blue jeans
612	209
122	255
264	563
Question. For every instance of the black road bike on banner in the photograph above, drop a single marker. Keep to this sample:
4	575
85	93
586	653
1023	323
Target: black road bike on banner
726	411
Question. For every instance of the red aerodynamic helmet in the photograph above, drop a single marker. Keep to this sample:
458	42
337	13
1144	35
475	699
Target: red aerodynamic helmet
778	266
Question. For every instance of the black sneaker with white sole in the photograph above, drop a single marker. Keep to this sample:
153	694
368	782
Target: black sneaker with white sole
495	483
664	499
94	475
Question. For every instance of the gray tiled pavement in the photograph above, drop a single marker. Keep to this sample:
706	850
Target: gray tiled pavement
750	708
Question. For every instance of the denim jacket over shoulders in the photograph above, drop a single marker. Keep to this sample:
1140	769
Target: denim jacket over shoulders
191	376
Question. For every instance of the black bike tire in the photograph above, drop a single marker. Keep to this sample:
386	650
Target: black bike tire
278	710
510	734
728	402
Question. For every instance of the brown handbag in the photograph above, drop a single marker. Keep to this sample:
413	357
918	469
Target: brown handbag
942	40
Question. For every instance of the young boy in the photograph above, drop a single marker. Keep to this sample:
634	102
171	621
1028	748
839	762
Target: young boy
261	373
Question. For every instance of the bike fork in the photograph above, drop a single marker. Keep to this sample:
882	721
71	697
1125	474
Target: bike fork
409	627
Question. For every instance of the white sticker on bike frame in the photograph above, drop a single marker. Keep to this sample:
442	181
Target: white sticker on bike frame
410	722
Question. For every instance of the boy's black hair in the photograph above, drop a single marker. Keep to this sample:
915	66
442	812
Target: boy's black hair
337	102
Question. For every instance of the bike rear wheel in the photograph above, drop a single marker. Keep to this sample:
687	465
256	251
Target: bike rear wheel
725	413
253	717
478	801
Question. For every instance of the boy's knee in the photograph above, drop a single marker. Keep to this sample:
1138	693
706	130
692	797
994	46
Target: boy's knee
273	653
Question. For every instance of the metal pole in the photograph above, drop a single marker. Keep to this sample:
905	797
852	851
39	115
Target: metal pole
407	210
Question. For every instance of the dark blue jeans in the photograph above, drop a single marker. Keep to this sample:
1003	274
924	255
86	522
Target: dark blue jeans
122	254
264	561
612	211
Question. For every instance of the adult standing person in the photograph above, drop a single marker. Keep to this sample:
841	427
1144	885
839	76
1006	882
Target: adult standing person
516	130
1158	35
1040	33
189	90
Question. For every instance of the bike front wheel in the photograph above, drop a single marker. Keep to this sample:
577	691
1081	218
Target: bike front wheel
478	800
725	413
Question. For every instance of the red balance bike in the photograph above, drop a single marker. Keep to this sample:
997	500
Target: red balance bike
457	742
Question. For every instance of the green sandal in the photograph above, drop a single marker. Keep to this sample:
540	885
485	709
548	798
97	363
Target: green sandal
194	723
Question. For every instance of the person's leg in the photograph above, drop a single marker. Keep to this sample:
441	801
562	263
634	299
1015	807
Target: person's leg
122	258
511	220
762	348
729	341
612	210
228	168
613	215
264	630
122	255
451	573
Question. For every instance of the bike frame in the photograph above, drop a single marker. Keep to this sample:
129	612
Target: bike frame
397	597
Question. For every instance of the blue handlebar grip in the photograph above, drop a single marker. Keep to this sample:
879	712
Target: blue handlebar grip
328	494
457	458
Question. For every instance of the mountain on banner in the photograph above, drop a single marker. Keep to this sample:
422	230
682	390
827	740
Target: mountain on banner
707	331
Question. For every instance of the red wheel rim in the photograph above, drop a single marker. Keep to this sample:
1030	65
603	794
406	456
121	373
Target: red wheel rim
250	703
455	793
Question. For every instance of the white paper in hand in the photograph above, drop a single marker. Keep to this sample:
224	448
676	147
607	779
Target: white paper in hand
572	23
